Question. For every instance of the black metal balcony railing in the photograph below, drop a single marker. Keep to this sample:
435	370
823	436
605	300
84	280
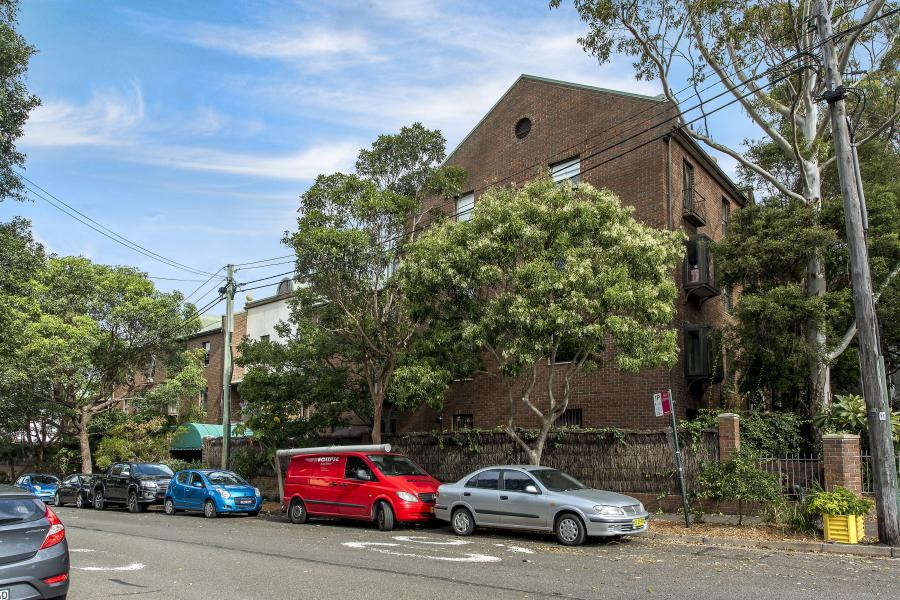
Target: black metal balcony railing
693	207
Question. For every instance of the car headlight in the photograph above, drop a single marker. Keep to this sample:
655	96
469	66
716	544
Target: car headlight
407	497
149	484
224	493
641	507
609	510
258	493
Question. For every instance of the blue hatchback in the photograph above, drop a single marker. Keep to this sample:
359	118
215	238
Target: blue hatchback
211	491
42	485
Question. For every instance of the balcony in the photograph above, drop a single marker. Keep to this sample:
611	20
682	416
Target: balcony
693	207
700	270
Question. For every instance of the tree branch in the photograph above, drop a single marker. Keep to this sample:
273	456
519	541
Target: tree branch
851	331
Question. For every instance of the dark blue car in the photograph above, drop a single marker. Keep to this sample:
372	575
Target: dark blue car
211	491
41	485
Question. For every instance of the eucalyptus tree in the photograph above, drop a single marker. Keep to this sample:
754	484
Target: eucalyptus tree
352	232
542	271
763	54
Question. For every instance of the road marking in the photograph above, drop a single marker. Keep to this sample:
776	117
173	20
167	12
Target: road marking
519	549
423	539
382	547
132	567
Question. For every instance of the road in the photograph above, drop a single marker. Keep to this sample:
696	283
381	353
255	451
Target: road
151	555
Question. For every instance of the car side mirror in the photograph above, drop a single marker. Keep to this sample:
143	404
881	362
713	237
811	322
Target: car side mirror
363	475
198	484
532	489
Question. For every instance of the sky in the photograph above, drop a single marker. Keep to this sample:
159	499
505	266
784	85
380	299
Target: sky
192	128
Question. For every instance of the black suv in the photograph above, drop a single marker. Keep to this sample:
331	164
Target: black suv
135	485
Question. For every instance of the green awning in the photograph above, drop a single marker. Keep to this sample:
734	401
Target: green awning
189	436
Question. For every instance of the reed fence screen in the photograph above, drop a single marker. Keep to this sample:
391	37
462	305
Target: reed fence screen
622	461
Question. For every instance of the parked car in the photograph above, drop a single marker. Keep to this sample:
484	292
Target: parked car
212	491
41	485
135	485
540	499
366	485
34	554
75	489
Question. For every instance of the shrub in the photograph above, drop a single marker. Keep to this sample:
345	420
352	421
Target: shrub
839	501
740	480
767	433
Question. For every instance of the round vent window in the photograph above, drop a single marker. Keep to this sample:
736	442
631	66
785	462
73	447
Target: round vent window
523	127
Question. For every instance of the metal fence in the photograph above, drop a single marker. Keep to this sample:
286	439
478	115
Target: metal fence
797	473
868	480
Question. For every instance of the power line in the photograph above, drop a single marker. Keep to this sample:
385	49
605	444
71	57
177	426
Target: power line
84	219
254	262
172	278
197	289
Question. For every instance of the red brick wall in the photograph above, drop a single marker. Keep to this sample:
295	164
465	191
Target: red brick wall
841	461
567	121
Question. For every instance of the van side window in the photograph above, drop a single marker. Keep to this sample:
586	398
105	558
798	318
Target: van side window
489	480
356	467
182	477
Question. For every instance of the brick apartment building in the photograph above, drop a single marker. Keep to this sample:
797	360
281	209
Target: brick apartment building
589	134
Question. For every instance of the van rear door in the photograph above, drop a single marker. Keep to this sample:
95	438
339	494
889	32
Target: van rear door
319	479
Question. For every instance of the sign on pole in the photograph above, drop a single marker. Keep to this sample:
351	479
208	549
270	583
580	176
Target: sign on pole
663	405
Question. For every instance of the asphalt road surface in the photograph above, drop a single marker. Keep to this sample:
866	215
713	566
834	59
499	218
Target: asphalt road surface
118	554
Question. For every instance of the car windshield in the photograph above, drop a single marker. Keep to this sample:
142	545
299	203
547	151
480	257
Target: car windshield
17	510
391	466
557	481
151	469
225	478
44	479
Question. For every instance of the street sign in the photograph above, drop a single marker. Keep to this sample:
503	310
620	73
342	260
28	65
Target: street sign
662	403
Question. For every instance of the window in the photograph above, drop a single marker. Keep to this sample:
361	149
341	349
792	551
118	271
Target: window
726	215
557	481
571	417
699	268
466	421
225	478
357	469
489	480
566	170
465	204
395	466
182	477
264	338
516	481
206	348
196	480
523	127
702	354
172	409
687	186
116	471
204	396
727	299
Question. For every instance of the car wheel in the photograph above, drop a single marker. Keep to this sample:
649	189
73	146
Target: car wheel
169	507
99	502
384	516
297	512
80	500
570	530
133	504
462	522
57	501
209	509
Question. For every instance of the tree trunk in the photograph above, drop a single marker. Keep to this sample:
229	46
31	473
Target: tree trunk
819	372
84	442
378	401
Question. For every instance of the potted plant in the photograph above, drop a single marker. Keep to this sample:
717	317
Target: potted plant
843	514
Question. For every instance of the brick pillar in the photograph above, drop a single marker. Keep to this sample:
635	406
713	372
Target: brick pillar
841	461
729	435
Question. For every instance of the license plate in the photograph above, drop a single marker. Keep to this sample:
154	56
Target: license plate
638	523
245	501
4	594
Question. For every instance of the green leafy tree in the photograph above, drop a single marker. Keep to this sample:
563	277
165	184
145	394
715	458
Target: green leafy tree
752	50
15	101
92	326
740	480
180	391
546	270
352	231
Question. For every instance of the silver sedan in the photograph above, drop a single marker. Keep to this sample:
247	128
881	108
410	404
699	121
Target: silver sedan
539	499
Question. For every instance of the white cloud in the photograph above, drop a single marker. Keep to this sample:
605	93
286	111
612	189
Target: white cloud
104	120
296	43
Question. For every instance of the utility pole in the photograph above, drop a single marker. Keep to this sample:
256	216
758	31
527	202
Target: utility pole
873	385
227	364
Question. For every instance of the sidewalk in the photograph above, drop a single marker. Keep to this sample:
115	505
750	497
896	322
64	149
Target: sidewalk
722	530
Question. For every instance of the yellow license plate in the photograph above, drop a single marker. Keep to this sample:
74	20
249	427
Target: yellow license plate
638	523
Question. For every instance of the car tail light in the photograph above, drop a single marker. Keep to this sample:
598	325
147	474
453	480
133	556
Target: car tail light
57	578
57	532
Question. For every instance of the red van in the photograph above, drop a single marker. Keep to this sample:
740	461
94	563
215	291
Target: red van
357	483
